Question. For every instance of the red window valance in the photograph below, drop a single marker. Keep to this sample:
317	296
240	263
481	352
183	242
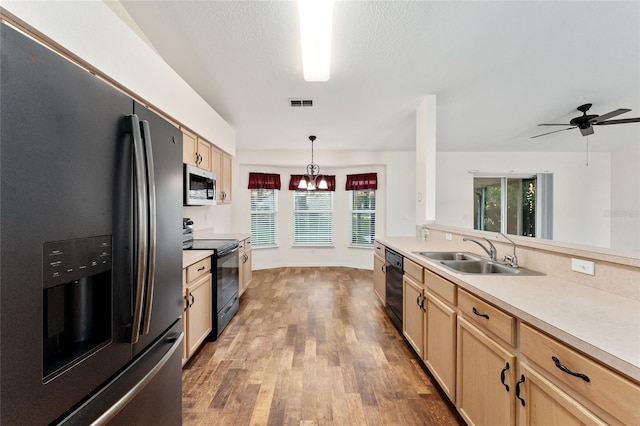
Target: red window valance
331	182
362	181
264	181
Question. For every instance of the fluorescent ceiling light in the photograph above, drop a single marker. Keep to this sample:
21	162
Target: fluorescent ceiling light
315	35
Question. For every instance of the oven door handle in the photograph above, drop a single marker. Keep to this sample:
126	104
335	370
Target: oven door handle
229	252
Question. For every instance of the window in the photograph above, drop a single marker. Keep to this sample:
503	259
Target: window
363	217
517	205
264	211
313	218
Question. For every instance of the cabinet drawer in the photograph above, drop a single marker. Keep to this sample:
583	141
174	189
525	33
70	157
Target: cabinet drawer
605	389
247	244
443	288
198	269
379	249
493	319
415	271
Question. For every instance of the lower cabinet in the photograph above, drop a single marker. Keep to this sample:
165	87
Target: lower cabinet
245	268
379	277
540	402
198	313
440	343
197	316
486	378
413	314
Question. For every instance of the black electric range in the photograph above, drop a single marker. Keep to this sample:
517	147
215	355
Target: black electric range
225	278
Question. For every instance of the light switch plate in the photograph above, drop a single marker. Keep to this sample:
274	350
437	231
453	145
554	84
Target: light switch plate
447	236
583	266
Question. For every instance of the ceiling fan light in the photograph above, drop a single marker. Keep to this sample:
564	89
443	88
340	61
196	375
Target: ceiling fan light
315	35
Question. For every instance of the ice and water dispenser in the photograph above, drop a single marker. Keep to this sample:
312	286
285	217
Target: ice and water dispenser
78	297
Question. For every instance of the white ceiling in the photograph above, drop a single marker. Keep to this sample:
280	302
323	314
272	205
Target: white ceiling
498	69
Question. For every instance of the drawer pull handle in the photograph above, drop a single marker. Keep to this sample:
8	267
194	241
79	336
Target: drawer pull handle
521	381
504	370
566	370
201	269
475	311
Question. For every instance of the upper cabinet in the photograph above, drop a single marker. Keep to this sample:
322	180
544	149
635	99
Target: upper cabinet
221	166
196	151
200	153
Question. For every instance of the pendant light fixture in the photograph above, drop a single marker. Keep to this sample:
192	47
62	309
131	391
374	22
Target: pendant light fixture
310	180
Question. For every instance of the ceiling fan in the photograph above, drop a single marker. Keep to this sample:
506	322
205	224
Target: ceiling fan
586	122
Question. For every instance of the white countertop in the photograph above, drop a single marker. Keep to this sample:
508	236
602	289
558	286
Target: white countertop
601	324
189	257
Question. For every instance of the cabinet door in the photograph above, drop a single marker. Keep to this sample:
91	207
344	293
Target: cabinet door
413	314
216	168
542	403
204	151
189	148
486	379
379	278
248	272
226	178
241	272
440	344
199	313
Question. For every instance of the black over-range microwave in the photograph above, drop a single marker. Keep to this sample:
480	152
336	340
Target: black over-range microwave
199	186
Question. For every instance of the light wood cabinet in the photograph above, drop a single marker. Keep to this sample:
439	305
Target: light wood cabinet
540	402
440	343
379	277
485	378
488	316
244	257
221	164
413	318
196	151
616	396
197	318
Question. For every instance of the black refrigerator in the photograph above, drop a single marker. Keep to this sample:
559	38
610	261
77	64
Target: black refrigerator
91	248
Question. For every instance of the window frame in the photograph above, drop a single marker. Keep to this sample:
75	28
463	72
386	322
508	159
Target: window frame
353	212
296	212
255	242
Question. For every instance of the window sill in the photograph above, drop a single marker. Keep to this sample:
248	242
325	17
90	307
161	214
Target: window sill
354	246
329	245
275	246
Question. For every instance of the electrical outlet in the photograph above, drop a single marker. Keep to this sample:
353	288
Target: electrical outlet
583	266
448	237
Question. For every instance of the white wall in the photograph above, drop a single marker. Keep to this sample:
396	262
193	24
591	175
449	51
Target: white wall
215	218
625	198
394	203
581	198
91	30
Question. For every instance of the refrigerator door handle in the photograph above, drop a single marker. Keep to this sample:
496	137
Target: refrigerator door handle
151	182
135	390
141	224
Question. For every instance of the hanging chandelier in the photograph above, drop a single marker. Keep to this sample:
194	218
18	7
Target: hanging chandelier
310	180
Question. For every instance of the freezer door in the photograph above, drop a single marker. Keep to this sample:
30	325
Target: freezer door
166	265
147	392
65	181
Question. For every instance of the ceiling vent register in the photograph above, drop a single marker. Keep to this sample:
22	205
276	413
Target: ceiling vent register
299	103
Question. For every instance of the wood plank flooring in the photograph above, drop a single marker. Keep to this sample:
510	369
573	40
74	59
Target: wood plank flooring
311	346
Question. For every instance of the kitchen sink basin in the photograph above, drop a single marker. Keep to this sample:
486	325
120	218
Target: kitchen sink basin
447	255
482	266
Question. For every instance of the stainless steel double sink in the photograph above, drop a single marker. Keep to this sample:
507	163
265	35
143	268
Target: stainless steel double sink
469	263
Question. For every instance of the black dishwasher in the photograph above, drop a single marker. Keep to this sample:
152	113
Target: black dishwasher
394	265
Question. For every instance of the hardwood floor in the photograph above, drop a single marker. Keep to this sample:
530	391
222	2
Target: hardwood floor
311	346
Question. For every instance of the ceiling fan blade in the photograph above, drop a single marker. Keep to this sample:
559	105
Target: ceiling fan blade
620	121
547	124
555	131
608	115
586	132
